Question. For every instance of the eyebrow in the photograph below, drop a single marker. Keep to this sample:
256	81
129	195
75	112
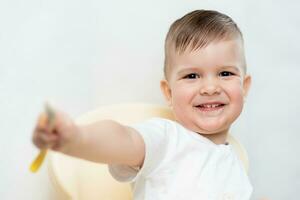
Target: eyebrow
185	70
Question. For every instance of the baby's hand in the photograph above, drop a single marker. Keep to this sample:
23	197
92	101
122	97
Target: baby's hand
55	134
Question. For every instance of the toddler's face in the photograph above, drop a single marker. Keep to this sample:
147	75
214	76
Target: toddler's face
206	87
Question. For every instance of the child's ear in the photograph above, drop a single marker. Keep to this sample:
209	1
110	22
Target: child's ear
166	90
246	85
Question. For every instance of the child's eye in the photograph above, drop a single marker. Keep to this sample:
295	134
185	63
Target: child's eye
191	76
226	73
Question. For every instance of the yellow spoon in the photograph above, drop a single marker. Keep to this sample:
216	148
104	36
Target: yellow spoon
35	165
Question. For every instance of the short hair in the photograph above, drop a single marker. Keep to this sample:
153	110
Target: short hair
196	30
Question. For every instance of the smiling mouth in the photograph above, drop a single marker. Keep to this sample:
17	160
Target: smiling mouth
210	107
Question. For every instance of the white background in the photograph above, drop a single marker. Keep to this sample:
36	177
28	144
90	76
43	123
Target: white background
82	54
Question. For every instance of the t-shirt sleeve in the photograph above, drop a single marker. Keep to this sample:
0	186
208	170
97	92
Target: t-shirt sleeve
154	134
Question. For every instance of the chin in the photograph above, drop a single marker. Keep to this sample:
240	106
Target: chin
212	128
210	131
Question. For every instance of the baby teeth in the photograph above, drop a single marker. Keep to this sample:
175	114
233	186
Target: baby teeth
210	105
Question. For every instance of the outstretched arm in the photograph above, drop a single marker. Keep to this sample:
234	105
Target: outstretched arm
105	141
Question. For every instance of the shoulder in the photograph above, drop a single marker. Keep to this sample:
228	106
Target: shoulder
156	125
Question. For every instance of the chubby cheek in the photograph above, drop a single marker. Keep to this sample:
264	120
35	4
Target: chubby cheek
235	94
182	100
182	95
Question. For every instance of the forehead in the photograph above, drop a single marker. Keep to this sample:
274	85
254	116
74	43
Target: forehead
219	54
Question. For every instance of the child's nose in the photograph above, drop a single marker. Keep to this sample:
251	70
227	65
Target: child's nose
210	87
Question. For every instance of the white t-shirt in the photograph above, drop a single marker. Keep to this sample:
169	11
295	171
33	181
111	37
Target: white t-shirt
183	165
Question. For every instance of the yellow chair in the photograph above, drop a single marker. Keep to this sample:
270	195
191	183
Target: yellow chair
79	179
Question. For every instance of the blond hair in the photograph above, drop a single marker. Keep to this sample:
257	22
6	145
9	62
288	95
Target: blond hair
196	30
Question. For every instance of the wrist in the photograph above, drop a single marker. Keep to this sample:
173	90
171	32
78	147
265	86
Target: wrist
74	144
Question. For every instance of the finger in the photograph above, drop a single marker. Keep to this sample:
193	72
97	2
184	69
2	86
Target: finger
39	143
41	123
44	140
44	123
48	136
